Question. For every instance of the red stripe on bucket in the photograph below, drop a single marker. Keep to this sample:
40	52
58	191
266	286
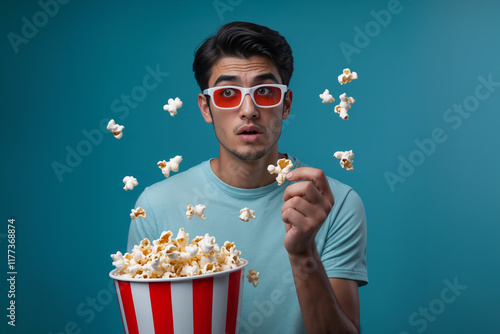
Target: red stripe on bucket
202	305
160	294
120	304
232	301
128	307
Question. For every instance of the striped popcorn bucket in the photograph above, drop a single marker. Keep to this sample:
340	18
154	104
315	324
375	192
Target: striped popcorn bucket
208	304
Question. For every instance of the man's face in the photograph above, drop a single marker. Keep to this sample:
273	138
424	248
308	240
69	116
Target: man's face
248	132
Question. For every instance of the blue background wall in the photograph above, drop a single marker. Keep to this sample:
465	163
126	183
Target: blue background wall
426	172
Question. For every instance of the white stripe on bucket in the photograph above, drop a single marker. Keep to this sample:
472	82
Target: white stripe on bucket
120	303
182	307
142	305
240	299
219	303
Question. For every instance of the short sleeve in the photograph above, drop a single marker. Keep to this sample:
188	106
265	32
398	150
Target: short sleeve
344	252
141	228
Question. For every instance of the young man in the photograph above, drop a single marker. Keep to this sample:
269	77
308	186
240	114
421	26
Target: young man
308	240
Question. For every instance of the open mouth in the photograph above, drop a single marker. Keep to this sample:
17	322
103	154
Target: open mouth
249	132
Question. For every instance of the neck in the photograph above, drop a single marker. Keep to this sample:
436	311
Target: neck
246	174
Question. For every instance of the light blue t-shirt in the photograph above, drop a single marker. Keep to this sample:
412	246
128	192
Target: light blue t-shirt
272	306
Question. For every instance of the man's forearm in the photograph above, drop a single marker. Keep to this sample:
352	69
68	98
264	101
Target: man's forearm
320	309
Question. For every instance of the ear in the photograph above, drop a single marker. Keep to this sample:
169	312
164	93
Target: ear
204	108
287	104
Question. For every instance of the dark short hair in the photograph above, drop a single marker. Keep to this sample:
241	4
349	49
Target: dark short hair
243	40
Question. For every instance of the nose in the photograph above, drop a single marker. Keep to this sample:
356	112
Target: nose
248	108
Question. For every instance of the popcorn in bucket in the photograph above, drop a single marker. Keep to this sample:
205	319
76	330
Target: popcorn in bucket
175	286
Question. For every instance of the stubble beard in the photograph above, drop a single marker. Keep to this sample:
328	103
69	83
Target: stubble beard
251	155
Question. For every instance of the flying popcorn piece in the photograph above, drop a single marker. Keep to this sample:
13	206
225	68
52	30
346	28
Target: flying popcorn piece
282	168
246	214
253	277
345	104
171	165
130	182
197	210
172	106
347	76
345	159
115	128
326	97
136	213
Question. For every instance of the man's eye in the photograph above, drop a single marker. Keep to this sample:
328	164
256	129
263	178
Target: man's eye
228	92
263	91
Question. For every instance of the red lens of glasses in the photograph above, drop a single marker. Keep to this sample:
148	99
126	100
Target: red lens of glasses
227	97
267	96
264	96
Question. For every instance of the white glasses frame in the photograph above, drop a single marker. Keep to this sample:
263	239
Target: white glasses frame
244	91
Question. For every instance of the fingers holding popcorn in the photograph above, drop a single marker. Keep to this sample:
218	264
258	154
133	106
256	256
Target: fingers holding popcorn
302	198
307	204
